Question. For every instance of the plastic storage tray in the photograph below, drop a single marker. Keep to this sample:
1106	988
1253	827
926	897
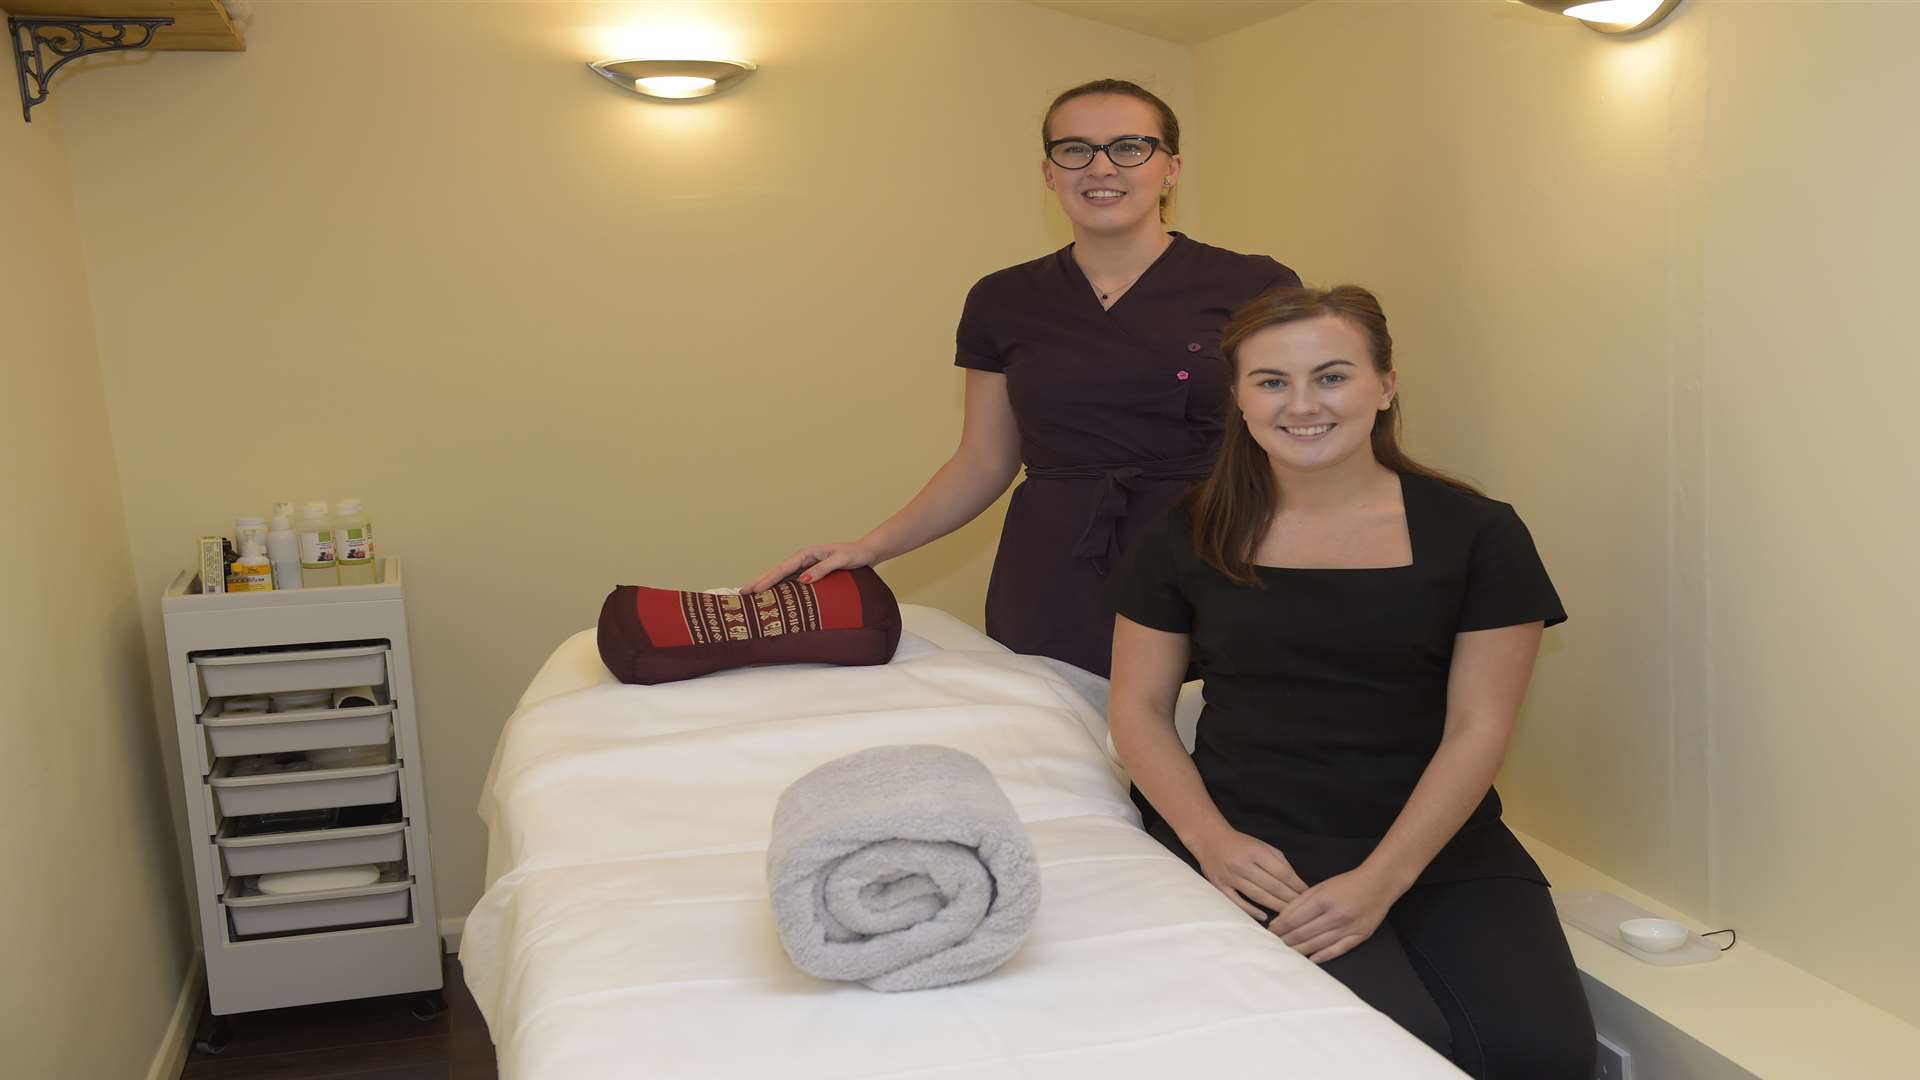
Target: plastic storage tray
278	784
313	729
280	670
318	849
388	900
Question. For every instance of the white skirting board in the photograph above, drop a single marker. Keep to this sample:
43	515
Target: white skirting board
171	1055
450	930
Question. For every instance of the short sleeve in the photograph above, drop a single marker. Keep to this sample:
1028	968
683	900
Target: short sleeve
1507	585
1145	587
1283	277
974	342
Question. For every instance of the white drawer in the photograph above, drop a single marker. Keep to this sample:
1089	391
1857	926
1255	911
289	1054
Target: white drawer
315	729
246	785
316	849
251	914
280	670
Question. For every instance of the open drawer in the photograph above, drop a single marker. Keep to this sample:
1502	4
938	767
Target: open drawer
283	670
253	914
309	780
368	834
308	729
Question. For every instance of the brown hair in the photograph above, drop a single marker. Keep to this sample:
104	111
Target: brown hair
1169	123
1230	511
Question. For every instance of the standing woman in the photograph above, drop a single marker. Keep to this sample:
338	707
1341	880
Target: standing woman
1097	366
1365	629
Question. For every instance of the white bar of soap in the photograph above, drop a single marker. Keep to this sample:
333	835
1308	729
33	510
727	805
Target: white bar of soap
301	881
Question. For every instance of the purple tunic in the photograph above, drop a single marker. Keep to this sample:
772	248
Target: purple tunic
1120	410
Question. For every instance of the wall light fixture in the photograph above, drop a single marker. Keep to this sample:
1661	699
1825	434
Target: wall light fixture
673	80
1610	16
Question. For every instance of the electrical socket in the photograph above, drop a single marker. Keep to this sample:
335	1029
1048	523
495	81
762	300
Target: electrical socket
1612	1062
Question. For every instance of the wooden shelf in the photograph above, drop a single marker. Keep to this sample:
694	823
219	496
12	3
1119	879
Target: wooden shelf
198	25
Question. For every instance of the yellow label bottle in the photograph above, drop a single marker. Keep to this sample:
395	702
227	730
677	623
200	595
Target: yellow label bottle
252	571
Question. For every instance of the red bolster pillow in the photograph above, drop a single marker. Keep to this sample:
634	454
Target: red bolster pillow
650	636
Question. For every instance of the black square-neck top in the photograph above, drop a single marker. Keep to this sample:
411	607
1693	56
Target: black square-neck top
1326	690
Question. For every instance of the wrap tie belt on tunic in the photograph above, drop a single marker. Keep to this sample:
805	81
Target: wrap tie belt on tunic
1100	541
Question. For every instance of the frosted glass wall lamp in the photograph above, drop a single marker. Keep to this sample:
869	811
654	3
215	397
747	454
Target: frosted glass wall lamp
1610	16
673	80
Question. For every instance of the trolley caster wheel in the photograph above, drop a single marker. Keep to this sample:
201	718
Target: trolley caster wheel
428	1006
212	1036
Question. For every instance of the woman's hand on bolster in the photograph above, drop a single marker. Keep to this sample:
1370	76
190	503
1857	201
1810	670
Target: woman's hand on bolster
1337	914
818	561
1245	868
979	471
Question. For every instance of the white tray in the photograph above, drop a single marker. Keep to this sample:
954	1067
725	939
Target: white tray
276	671
1600	913
309	789
317	849
386	900
309	729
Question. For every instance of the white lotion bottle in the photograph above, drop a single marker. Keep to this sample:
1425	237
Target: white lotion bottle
283	548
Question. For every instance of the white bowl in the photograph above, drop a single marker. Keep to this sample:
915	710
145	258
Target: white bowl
1654	935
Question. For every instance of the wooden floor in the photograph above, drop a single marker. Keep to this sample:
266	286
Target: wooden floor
374	1039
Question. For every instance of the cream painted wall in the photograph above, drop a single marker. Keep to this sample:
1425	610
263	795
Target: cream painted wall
558	337
95	937
1413	166
1651	291
1812	508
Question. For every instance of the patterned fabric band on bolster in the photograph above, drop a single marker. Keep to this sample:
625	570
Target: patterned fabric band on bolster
652	636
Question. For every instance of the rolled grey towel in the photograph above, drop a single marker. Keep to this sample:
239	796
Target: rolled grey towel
903	867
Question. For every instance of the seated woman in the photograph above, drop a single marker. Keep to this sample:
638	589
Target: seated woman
1366	629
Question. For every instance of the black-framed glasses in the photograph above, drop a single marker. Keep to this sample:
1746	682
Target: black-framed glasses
1127	151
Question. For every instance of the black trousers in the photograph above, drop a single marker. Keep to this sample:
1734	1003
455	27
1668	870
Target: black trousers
1480	971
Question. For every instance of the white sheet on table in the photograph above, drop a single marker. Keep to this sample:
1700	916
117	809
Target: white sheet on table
626	930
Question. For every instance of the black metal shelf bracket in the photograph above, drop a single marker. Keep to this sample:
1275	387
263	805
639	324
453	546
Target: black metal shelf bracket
36	41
